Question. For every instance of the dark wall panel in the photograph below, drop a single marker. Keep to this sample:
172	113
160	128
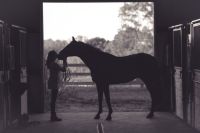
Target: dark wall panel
35	74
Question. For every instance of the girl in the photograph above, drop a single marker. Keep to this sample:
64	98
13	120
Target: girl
53	81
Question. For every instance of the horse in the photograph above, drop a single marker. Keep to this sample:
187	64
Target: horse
107	69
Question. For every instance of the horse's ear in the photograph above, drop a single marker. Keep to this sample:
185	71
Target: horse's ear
73	39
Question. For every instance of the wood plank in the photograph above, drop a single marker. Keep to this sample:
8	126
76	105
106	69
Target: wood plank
76	65
80	74
137	82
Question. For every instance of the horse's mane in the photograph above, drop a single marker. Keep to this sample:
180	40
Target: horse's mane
90	47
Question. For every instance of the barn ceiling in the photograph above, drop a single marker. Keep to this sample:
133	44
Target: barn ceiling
173	12
28	13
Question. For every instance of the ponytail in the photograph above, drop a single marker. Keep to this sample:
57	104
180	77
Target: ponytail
52	55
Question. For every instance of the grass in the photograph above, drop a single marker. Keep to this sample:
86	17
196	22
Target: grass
84	99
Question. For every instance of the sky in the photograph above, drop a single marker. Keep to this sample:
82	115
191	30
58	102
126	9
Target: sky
61	21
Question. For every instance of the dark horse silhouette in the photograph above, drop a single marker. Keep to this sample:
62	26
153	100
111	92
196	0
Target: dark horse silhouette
108	69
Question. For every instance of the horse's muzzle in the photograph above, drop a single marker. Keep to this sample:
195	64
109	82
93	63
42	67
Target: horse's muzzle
60	57
65	62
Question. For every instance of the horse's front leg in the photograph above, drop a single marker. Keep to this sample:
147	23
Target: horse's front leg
107	96
100	98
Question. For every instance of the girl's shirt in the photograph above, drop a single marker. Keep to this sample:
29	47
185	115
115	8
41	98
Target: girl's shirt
54	75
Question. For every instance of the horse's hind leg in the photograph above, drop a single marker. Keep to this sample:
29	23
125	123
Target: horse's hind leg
107	96
156	97
151	86
151	113
100	98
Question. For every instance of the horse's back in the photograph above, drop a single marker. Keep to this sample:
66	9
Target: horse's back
140	61
135	63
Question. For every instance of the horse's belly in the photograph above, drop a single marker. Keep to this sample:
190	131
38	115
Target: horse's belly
120	78
113	78
119	82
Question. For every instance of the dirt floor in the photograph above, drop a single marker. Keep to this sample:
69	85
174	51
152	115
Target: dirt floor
123	122
84	99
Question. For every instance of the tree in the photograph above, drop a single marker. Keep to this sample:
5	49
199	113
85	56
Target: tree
98	43
82	38
124	42
136	33
138	15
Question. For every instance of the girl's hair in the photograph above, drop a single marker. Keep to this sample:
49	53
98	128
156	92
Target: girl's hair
52	55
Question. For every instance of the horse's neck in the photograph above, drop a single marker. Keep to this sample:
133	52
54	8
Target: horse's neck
88	61
89	57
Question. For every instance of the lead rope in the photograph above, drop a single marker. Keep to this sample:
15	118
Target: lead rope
67	75
66	78
100	127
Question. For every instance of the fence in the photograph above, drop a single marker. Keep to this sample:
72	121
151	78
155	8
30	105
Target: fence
88	83
83	81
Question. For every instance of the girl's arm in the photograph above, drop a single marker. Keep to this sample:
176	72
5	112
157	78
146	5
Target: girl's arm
58	67
63	69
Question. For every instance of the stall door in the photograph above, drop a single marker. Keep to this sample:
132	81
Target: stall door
179	45
15	75
195	34
23	70
19	74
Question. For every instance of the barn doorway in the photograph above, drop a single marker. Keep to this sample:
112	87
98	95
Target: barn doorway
119	28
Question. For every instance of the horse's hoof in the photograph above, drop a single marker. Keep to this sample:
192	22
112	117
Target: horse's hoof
149	116
97	117
109	118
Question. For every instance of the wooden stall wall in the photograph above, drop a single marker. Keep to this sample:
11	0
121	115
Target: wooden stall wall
13	74
186	71
28	14
195	35
7	64
1	76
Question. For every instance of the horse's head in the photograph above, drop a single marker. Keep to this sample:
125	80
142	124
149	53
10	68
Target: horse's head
69	50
